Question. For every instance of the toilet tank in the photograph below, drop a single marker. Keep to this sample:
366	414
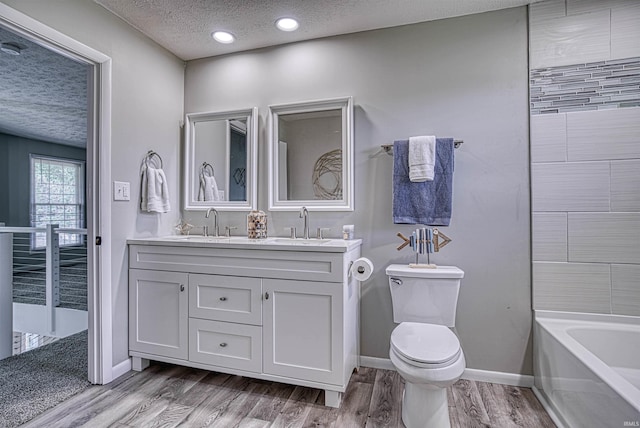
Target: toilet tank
425	295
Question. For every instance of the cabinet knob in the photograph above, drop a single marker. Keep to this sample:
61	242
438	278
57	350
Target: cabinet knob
181	287
223	299
266	296
222	345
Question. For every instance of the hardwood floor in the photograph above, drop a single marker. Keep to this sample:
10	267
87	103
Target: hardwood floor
166	396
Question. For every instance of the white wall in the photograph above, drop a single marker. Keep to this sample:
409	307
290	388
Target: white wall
585	145
464	78
147	93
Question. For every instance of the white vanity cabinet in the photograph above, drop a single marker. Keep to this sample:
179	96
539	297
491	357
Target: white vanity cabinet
303	332
158	313
274	312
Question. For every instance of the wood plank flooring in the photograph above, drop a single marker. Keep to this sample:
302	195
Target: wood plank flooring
165	395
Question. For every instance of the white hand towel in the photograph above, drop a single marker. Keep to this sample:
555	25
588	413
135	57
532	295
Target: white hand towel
143	189
211	192
157	194
422	158
201	188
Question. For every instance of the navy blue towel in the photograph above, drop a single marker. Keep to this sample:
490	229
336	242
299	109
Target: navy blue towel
428	202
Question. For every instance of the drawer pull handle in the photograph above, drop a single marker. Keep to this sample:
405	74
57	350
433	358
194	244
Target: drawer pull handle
266	296
223	345
181	287
222	299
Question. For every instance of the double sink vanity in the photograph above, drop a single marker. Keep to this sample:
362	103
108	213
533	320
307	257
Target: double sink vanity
278	309
275	309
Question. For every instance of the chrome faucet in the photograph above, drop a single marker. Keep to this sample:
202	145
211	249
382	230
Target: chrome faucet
216	227
304	213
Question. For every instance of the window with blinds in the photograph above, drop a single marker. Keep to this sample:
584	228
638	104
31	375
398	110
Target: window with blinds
57	197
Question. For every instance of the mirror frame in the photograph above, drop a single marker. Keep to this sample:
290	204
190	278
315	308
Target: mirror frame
252	161
345	104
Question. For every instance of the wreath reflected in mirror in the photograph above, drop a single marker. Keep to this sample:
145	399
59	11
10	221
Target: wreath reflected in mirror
327	176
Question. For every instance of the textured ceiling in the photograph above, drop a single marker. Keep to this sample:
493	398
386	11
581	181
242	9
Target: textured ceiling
184	27
43	95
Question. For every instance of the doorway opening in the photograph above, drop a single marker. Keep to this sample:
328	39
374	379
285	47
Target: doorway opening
96	193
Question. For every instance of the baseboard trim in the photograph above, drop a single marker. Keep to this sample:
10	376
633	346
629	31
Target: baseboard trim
120	369
469	374
503	378
376	363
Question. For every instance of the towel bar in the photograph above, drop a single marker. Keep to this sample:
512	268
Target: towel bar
206	170
149	158
388	148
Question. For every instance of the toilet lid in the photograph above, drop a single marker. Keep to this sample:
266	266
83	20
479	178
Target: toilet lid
425	343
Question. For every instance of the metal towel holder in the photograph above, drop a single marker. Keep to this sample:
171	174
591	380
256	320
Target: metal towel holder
388	148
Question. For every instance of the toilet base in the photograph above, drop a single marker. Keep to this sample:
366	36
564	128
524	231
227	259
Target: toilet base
425	406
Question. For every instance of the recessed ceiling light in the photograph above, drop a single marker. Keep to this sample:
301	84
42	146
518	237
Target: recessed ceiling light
287	24
223	37
10	48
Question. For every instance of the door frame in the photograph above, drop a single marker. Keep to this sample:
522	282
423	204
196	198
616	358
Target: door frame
100	367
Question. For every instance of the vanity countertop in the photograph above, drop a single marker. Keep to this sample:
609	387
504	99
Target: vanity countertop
241	242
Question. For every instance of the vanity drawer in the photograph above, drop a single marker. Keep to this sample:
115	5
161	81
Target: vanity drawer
226	298
236	346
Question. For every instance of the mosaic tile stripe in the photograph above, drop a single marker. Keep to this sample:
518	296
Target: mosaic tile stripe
593	86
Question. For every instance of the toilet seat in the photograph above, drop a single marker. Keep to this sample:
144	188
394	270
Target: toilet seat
425	345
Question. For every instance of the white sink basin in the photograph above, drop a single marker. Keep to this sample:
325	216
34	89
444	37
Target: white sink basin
300	241
198	238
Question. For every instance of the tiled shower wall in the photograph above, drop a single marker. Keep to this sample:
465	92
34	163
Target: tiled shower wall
585	155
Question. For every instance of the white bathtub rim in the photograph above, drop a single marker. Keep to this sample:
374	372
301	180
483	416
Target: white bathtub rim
587	317
555	324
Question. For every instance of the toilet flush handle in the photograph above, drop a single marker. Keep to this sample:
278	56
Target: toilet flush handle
396	281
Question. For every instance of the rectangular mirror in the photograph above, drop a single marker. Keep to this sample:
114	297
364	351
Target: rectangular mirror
311	155
221	160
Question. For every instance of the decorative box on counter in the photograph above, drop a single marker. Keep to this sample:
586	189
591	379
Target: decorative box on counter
257	225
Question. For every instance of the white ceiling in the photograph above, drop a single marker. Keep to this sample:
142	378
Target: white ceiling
43	95
184	27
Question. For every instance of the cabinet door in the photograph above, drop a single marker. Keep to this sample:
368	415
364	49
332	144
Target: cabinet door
158	306
302	330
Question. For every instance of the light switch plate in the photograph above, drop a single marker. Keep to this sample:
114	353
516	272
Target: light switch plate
121	191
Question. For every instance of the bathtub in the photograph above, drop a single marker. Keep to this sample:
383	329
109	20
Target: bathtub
587	368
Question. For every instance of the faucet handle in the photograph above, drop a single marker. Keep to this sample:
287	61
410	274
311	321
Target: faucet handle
228	229
205	230
320	230
293	232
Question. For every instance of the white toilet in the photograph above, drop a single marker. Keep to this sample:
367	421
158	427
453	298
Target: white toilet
424	350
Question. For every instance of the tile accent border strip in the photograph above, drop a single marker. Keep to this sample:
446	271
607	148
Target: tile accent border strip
593	86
